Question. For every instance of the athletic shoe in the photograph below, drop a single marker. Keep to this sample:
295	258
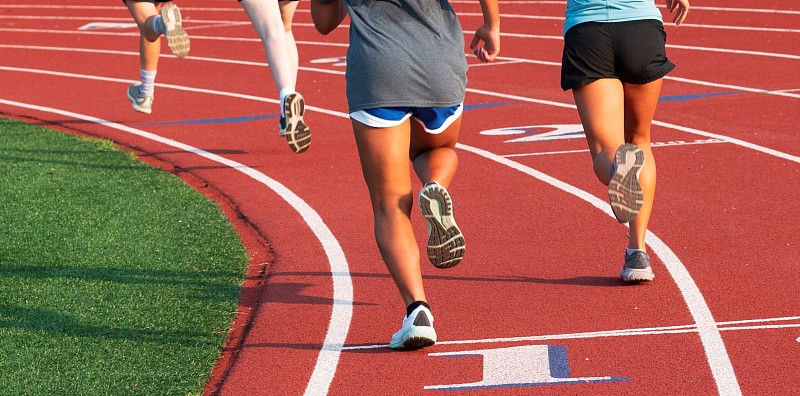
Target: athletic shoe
445	241
177	39
637	268
624	191
292	126
417	331
141	103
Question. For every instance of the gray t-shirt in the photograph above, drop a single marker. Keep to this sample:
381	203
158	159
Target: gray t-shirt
404	53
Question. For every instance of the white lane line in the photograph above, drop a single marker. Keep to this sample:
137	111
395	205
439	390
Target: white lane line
693	131
680	329
716	353
510	2
784	93
342	309
718	359
652	144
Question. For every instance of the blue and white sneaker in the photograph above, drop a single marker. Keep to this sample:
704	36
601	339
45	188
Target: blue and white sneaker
140	103
624	191
445	241
417	331
637	268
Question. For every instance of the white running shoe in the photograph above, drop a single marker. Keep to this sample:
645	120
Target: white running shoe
417	331
291	124
637	268
141	103
624	191
445	241
177	39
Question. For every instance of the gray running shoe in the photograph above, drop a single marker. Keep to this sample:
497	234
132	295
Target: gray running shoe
445	241
417	331
177	39
291	124
637	268
624	191
141	103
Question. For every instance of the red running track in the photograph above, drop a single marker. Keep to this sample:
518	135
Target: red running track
536	306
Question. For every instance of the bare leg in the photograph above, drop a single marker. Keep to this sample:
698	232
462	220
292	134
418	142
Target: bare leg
434	156
150	40
266	18
287	14
384	162
613	113
601	108
640	107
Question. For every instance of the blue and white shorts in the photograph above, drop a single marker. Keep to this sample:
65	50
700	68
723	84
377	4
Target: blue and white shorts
434	119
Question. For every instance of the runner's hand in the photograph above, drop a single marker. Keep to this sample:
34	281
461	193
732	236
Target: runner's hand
682	6
491	43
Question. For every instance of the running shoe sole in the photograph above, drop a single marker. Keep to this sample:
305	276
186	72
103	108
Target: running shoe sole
445	241
296	133
637	275
624	191
177	39
419	334
142	107
416	338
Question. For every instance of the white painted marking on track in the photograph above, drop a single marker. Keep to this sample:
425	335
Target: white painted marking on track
714	348
693	131
664	330
652	144
719	368
342	308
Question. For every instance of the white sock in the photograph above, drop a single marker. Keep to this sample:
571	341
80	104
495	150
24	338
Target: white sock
629	251
283	94
148	82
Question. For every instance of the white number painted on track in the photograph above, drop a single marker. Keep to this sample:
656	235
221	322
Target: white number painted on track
531	365
539	133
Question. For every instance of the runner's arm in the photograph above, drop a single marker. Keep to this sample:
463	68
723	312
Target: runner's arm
488	33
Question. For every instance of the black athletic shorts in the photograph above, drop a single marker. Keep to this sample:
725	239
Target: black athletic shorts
632	52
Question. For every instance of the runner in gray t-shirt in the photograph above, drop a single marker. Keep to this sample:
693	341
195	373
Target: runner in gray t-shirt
406	79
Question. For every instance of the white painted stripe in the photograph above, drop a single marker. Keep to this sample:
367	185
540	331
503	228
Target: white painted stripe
734	51
176	87
342	309
652	144
516	2
709	334
693	131
717	355
734	87
665	330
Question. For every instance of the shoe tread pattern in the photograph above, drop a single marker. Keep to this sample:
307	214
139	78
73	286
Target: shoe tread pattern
624	191
296	132
445	244
177	38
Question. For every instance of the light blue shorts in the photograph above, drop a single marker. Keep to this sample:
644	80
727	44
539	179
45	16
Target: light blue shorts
434	119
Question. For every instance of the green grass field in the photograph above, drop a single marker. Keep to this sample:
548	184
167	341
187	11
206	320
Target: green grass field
115	277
